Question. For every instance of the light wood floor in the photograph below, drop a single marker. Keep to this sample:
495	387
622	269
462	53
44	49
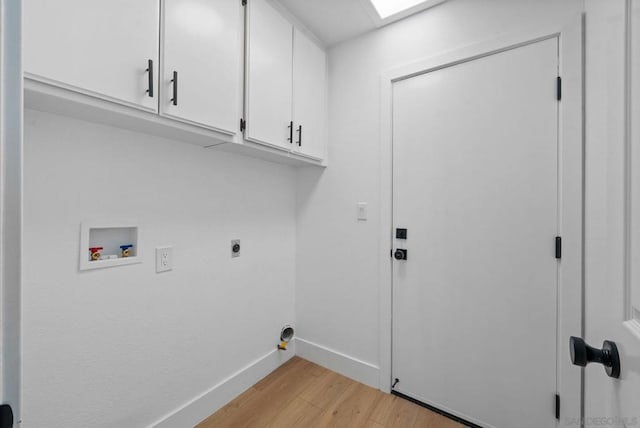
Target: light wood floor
303	394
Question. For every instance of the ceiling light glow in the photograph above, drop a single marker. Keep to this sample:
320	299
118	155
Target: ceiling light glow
386	8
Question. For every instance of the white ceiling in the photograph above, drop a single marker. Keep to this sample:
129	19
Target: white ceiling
334	21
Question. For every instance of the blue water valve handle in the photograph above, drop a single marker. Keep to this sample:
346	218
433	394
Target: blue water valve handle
124	250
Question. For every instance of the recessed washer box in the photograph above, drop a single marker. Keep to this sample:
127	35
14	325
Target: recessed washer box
109	242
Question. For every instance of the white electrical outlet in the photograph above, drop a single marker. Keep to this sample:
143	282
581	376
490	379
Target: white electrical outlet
235	248
164	259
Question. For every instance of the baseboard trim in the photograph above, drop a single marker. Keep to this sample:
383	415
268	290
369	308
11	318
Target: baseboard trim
209	402
346	365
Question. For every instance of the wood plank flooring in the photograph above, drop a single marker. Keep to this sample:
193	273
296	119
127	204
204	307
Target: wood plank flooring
303	394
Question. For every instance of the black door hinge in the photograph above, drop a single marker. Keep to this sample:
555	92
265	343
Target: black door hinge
243	125
557	406
558	247
6	416
559	88
244	2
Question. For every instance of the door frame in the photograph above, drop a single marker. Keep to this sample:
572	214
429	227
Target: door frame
11	183
570	192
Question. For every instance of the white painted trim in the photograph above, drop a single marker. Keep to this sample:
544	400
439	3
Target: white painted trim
633	166
346	365
629	202
571	143
571	174
11	160
2	198
207	403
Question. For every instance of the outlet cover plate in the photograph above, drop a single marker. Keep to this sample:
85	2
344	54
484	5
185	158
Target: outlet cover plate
233	247
164	259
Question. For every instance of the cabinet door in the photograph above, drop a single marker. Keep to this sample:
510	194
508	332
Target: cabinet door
97	47
309	97
202	44
269	67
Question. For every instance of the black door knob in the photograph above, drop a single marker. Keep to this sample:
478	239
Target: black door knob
6	416
583	354
400	254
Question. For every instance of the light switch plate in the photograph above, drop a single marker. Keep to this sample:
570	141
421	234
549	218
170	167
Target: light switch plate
164	259
362	211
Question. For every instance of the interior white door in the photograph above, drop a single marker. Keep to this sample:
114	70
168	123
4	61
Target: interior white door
475	183
612	219
269	76
202	43
309	96
98	47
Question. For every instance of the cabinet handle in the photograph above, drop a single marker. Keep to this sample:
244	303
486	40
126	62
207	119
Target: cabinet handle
150	74
290	139
300	136
174	100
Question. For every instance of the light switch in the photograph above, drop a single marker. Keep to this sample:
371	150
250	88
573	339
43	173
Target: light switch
362	211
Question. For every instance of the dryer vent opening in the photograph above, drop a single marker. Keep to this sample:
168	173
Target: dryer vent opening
285	337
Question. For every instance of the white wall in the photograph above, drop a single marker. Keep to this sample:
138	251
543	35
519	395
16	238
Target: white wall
125	346
337	283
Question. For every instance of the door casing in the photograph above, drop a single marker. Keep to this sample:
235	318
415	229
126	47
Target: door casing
570	194
11	186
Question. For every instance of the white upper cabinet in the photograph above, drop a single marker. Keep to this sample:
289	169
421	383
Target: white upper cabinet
286	85
187	62
309	97
269	76
101	48
202	46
